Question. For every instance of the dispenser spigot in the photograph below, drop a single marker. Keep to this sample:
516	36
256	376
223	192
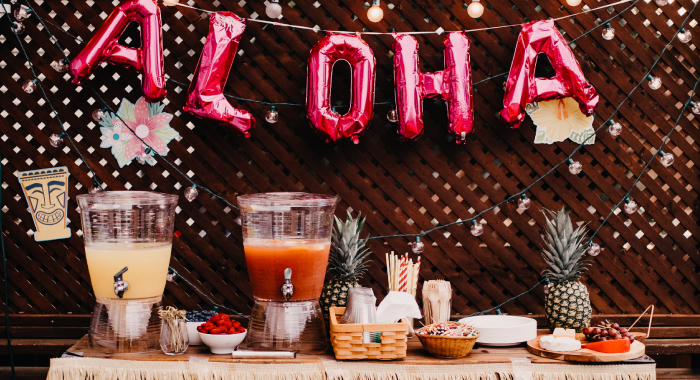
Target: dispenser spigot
287	288
120	286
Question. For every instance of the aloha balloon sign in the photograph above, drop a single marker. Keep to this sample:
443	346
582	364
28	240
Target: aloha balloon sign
205	98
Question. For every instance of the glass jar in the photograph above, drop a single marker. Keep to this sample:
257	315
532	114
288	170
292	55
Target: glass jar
174	339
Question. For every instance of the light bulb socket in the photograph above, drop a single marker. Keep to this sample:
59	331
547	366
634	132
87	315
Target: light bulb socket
661	153
607	25
590	243
376	3
65	61
62	134
275	1
612	122
627	200
272	108
545	279
148	151
171	271
498	311
682	31
650	78
105	109
35	80
417	238
692	103
523	196
474	222
194	186
569	161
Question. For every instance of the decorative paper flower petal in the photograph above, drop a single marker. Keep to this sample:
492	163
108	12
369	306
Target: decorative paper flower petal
141	111
560	119
156	143
126	110
133	148
159	121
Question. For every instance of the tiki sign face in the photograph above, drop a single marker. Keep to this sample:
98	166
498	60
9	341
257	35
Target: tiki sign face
46	191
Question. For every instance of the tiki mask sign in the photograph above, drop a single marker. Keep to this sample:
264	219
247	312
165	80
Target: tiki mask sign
46	191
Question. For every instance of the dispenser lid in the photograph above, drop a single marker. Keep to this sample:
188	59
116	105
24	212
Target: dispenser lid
284	200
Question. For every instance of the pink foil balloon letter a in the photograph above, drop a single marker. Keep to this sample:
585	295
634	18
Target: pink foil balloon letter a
104	47
205	98
454	84
324	54
522	86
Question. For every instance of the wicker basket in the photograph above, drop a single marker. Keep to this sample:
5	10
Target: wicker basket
448	347
348	344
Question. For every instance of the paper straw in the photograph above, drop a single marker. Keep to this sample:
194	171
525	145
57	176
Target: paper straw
404	274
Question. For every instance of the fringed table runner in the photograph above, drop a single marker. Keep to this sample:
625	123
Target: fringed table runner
109	369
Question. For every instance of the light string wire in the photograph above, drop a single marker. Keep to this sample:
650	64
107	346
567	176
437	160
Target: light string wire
275	23
95	179
497	308
663	142
568	158
515	195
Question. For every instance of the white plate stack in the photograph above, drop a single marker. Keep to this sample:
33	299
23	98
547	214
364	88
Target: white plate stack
503	330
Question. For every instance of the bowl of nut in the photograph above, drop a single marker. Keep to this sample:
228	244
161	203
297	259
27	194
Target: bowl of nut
448	340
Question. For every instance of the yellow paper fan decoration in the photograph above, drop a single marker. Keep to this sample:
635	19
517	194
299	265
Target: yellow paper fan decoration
560	119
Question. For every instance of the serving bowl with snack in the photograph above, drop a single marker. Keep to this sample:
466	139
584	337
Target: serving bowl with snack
194	319
448	340
221	334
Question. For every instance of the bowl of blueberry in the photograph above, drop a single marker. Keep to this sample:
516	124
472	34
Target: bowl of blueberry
194	319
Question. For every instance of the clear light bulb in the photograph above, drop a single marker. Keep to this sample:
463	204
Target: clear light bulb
666	159
95	188
615	129
272	116
59	66
56	140
654	82
273	9
575	167
170	3
631	207
375	13
593	249
392	115
524	202
18	27
98	115
475	9
661	3
191	193
22	13
684	36
417	246
477	229
608	32
573	3
695	108
29	86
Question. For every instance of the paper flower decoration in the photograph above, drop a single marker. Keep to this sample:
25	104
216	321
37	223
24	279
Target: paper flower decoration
146	123
559	119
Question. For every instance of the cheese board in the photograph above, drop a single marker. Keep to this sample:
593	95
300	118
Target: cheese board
585	355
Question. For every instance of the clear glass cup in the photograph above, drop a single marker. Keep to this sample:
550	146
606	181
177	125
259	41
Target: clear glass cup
174	338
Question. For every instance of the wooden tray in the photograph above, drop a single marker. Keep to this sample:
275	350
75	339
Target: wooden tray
585	355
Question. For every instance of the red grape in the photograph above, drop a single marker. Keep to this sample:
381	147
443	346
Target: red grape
615	326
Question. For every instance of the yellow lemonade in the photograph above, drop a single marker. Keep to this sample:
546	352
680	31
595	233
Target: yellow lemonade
148	268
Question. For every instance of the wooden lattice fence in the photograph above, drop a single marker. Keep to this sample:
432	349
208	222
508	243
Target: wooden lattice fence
402	187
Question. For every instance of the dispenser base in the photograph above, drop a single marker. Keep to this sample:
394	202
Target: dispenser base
125	325
287	326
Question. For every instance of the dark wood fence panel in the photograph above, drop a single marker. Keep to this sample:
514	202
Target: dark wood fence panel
401	187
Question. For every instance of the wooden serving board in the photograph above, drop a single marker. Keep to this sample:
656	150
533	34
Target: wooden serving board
584	354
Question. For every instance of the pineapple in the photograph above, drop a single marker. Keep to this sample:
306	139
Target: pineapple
567	304
346	262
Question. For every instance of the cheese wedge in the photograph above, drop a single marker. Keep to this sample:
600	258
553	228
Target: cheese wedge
567	333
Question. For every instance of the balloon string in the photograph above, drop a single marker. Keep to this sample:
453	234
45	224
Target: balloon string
317	29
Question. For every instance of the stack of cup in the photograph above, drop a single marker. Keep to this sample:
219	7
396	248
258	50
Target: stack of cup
361	309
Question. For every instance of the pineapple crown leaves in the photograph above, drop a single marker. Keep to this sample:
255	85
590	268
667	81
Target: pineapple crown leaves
348	255
564	248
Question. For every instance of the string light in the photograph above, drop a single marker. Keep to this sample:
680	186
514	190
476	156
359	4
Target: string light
695	108
524	202
417	246
661	3
18	27
608	32
170	3
272	116
477	229
573	3
654	82
475	9
392	115
29	85
684	36
98	115
273	9
593	249
60	66
191	193
666	158
575	167
630	206
615	128
375	12
56	140
22	13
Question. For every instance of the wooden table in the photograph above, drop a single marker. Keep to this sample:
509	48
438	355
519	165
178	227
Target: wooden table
482	363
